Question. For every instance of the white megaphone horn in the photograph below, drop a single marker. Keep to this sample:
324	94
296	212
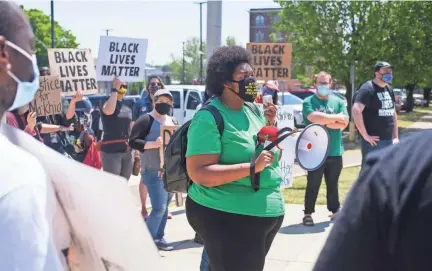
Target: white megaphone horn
312	147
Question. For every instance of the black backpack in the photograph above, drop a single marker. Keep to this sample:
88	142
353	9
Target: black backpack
175	175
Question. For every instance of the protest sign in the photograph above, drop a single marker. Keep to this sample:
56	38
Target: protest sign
106	234
47	100
76	70
122	57
272	61
166	132
285	118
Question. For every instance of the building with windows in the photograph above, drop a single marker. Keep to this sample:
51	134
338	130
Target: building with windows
260	25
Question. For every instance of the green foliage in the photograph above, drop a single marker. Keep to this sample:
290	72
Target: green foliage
192	62
333	35
231	41
41	24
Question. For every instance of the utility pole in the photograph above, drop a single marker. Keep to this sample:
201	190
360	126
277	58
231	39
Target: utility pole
201	43
52	25
107	31
183	65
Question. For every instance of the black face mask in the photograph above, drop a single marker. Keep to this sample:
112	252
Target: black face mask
163	108
247	89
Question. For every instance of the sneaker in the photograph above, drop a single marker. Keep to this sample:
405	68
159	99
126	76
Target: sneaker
198	239
308	221
333	216
163	245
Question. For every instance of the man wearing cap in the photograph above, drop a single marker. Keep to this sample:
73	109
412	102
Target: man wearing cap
374	111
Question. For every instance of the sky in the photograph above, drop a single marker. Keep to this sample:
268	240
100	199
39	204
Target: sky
166	24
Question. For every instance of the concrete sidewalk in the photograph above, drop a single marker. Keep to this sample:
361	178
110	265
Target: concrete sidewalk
295	247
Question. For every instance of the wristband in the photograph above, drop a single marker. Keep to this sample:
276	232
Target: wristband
114	90
61	128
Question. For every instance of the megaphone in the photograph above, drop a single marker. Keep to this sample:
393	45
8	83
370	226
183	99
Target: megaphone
312	147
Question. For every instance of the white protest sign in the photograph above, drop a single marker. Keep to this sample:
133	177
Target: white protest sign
122	57
285	118
75	68
106	234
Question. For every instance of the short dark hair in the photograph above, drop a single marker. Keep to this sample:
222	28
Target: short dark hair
221	66
7	25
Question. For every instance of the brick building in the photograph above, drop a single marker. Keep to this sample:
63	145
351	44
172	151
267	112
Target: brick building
260	25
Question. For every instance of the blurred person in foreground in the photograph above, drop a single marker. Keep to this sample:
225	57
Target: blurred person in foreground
236	222
386	221
27	198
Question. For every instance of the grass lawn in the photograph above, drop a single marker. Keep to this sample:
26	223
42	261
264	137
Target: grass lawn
406	119
296	193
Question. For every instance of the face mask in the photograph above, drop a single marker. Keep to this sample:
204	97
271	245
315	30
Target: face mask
25	90
267	91
323	91
163	108
387	77
153	88
247	89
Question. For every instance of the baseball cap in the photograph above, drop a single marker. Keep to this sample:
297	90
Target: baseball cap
163	92
381	64
271	84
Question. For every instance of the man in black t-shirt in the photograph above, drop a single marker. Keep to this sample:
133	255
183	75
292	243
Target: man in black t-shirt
386	221
374	111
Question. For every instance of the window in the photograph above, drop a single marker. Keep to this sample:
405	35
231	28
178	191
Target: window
259	36
290	99
276	18
176	97
193	101
259	20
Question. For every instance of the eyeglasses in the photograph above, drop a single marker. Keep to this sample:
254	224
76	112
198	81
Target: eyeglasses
323	83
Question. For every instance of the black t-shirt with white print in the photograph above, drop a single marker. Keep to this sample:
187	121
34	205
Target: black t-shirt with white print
379	109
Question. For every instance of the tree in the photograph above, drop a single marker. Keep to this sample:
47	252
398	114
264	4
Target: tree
192	61
41	24
333	35
231	41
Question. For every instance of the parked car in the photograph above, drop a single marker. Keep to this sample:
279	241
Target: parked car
98	99
82	108
418	97
286	98
400	104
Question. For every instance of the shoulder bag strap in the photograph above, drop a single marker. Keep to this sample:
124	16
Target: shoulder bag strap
217	116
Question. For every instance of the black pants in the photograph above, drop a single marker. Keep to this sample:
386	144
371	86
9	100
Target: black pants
331	170
233	242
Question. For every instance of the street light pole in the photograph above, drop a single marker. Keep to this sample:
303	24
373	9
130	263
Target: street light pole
107	31
201	43
183	65
52	25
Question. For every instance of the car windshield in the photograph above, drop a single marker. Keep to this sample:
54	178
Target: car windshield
397	92
291	99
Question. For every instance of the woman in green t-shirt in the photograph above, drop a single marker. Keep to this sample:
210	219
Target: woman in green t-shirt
237	224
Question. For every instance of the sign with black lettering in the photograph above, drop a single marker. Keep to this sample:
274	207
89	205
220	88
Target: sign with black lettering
75	68
122	57
47	100
272	61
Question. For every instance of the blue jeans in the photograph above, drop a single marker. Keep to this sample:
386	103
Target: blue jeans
367	148
160	200
204	266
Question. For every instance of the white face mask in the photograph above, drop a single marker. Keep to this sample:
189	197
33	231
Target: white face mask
25	90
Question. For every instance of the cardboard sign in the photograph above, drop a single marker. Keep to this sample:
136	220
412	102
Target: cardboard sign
166	132
76	70
106	234
122	57
272	61
285	118
47	100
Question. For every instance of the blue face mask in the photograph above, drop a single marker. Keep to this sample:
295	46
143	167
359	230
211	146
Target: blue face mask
323	91
267	91
387	77
25	90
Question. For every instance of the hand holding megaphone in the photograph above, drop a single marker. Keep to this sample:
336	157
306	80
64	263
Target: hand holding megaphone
264	160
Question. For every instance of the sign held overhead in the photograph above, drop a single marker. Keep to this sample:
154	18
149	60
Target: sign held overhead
75	68
272	61
122	57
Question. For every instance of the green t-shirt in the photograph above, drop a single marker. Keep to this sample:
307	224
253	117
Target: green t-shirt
333	105
236	146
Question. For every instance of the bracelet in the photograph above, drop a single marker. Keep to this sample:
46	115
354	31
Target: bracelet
61	127
114	90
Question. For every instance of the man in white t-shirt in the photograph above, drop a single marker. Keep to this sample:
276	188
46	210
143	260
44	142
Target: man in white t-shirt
28	205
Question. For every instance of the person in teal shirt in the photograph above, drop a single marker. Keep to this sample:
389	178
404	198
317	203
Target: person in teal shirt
236	223
329	111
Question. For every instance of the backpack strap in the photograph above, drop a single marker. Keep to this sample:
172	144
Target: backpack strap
217	116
